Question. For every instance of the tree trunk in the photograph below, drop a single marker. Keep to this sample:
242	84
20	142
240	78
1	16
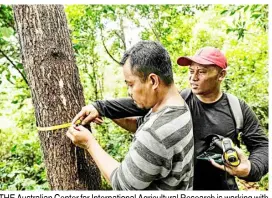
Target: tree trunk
56	91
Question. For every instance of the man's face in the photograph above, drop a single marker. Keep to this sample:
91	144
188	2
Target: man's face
140	92
205	79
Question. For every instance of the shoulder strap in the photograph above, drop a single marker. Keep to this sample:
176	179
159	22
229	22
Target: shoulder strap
236	111
185	93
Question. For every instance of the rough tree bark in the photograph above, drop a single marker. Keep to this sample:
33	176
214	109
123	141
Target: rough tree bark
57	94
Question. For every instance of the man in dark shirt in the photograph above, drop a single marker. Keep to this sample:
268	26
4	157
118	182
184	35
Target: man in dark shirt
211	114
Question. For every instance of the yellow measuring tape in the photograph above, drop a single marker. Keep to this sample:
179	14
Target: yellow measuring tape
62	126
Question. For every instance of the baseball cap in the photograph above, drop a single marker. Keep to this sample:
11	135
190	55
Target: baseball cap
205	56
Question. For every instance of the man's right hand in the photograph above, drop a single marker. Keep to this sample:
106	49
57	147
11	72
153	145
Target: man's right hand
88	114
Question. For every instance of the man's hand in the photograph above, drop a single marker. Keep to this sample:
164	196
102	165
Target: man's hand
88	114
240	171
80	136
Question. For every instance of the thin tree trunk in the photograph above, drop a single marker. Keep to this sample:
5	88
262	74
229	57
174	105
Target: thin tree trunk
57	93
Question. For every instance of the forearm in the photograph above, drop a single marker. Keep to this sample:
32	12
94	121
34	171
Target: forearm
129	124
119	108
103	160
259	164
257	144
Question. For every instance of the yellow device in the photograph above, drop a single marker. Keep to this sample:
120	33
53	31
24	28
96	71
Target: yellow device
229	153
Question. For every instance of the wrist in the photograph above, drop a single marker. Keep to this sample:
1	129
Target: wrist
91	144
96	107
246	170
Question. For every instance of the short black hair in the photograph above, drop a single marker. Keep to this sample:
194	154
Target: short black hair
148	57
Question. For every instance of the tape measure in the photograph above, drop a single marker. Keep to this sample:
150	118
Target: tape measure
61	126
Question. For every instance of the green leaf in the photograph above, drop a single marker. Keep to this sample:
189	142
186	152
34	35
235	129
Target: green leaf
8	75
255	16
11	175
13	149
20	66
246	8
223	12
229	30
6	31
29	184
14	101
232	12
12	187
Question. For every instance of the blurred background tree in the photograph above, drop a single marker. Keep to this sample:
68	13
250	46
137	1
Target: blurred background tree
100	35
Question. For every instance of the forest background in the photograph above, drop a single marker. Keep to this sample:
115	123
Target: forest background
100	34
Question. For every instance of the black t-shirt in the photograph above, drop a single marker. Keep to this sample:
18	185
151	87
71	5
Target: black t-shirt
210	119
215	118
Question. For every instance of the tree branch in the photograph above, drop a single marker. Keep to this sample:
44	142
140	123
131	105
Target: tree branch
122	36
115	32
154	32
103	42
23	76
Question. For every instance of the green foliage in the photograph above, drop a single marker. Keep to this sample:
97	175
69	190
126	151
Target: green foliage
245	16
22	168
249	64
263	184
21	165
100	34
9	49
6	17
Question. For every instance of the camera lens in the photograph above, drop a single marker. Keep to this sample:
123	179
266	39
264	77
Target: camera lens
232	159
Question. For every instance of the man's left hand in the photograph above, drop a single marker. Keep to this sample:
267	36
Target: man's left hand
242	170
80	136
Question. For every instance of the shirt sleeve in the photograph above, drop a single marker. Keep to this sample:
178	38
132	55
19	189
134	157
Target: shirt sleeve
118	108
256	142
146	161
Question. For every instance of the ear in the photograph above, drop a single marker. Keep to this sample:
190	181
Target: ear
154	80
222	74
